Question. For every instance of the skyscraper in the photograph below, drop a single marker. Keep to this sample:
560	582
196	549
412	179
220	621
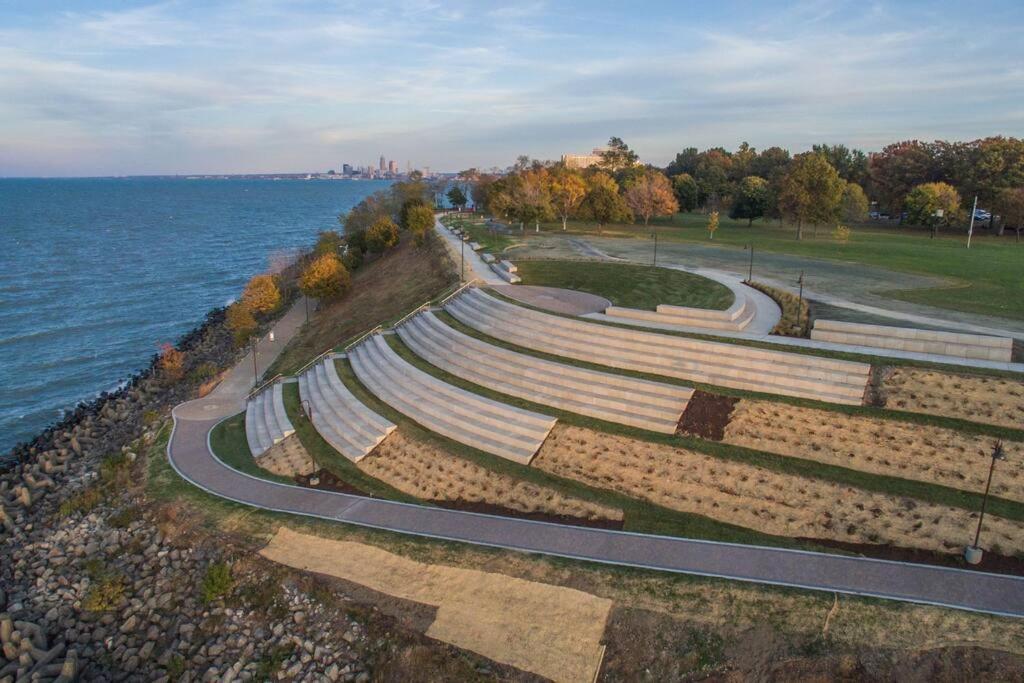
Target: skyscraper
346	169
383	164
393	167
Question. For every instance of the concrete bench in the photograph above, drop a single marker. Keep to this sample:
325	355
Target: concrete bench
956	344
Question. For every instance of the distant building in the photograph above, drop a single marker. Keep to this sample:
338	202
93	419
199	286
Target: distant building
583	160
346	169
383	164
393	167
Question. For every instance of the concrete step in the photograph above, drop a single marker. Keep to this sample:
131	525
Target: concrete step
280	414
327	422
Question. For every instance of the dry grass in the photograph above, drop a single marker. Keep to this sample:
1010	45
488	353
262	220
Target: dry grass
992	400
761	499
287	458
899	449
549	630
425	471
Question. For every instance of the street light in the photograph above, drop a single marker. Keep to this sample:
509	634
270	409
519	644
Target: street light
973	553
462	260
655	236
800	303
750	272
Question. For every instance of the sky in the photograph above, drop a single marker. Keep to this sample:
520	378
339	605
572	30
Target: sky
261	86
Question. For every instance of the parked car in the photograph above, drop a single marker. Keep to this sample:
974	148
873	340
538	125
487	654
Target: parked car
982	215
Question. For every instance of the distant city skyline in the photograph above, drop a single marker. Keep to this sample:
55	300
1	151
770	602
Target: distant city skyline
106	87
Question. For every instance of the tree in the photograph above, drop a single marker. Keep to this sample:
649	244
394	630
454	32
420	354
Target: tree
531	198
618	156
686	190
382	235
457	198
898	168
1010	205
171	363
567	190
325	277
240	322
407	206
651	195
420	223
712	224
850	164
685	162
367	212
933	205
327	242
811	191
603	204
854	207
752	197
712	176
261	294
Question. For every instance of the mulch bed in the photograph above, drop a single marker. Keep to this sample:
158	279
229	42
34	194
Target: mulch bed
707	415
328	482
991	562
488	509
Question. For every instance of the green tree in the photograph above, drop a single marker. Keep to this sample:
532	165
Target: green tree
933	205
240	322
261	294
531	198
686	191
651	195
854	208
367	212
457	198
567	190
712	176
810	192
325	278
407	206
420	223
898	168
603	204
751	200
327	242
617	156
850	164
1010	206
382	235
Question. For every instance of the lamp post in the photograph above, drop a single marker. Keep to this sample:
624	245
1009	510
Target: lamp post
973	553
750	270
800	302
306	299
655	236
255	372
462	260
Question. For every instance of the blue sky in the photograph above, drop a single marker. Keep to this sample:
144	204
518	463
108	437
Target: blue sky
98	88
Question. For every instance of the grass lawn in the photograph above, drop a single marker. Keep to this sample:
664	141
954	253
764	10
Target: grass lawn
629	285
988	275
229	443
494	241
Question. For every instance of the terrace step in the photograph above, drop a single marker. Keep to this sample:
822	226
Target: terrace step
266	422
956	344
460	415
615	398
341	419
721	364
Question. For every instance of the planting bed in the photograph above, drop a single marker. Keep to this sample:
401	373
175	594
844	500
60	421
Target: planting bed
424	471
899	449
991	400
761	499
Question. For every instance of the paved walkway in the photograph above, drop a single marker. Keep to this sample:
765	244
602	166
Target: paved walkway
475	266
189	454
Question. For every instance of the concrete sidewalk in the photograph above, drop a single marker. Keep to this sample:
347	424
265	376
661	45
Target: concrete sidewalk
475	266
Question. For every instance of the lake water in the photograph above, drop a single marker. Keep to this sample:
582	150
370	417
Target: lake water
96	273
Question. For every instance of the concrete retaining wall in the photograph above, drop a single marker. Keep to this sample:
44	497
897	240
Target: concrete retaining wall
959	345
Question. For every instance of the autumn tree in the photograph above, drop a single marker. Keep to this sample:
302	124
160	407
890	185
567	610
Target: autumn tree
603	204
686	191
457	198
898	168
1010	206
854	206
367	212
567	190
325	277
810	192
261	294
933	205
327	242
420	223
531	198
651	195
751	201
382	235
712	224
171	363
240	322
408	206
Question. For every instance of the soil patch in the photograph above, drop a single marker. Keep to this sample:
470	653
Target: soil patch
707	415
328	481
488	509
991	562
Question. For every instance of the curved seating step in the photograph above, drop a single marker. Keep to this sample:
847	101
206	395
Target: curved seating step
716	363
342	420
460	415
605	396
266	422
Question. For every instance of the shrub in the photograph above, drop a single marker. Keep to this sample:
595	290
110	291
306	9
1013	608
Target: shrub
171	363
409	206
796	314
841	234
106	591
203	372
217	581
326	277
420	221
240	322
150	417
327	242
352	259
115	470
382	235
84	501
261	294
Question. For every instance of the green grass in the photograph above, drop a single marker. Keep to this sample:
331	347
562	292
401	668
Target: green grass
866	481
230	445
629	285
988	274
493	241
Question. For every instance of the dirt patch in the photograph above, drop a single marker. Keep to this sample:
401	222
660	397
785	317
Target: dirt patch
991	400
707	415
548	630
898	449
762	499
488	509
325	480
991	562
427	472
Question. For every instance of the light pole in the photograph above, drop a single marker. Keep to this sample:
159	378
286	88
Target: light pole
800	303
462	260
255	372
973	553
750	270
306	299
655	236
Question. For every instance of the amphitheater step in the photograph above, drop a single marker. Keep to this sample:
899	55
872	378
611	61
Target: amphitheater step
266	422
605	396
342	420
460	415
955	344
716	363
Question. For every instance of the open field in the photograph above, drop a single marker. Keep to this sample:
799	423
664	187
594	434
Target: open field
986	277
759	498
425	471
633	286
898	449
991	400
493	241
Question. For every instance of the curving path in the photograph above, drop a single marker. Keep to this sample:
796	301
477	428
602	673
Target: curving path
190	455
